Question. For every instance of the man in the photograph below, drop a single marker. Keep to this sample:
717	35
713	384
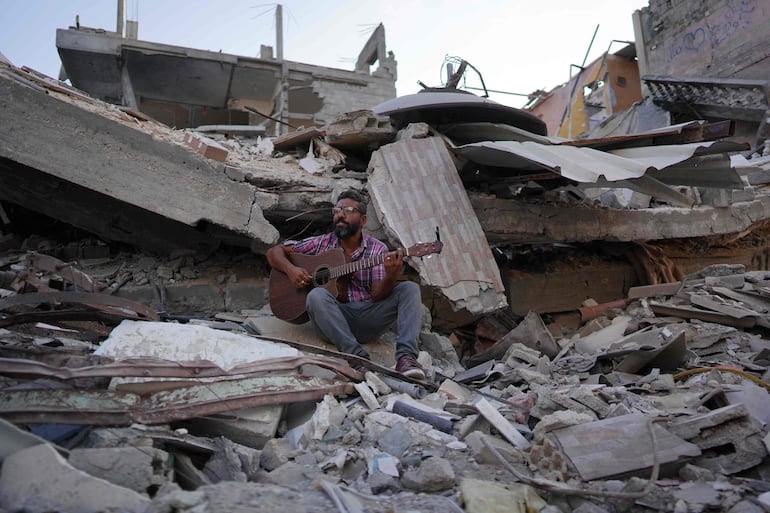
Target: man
373	299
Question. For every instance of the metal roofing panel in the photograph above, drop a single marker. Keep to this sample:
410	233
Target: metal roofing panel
587	165
662	156
574	163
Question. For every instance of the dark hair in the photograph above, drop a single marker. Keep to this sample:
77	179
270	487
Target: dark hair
355	196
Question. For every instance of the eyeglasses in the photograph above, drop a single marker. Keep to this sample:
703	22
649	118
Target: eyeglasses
346	210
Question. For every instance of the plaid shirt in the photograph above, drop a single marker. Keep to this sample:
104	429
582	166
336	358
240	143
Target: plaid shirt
360	284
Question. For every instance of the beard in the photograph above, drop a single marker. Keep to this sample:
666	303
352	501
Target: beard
346	230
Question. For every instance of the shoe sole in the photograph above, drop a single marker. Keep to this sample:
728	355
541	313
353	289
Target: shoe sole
414	374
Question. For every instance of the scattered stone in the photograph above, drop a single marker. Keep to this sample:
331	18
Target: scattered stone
487	497
433	475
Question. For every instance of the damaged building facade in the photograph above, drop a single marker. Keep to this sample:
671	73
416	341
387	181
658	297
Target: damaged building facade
184	87
594	325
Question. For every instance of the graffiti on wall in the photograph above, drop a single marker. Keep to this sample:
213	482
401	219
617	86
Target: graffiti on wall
735	17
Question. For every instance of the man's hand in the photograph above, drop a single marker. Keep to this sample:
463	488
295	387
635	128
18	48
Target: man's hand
298	276
278	258
394	262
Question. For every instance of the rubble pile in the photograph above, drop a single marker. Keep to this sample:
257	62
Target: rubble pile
141	368
658	402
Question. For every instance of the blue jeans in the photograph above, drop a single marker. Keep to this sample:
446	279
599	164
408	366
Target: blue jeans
345	324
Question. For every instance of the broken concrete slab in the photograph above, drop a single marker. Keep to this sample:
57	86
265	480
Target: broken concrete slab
621	445
360	129
505	221
142	469
126	166
411	183
732	430
38	480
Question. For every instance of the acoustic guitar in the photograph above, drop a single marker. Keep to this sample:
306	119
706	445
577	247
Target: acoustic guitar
288	302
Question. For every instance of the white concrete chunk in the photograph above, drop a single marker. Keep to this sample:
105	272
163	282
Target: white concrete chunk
187	342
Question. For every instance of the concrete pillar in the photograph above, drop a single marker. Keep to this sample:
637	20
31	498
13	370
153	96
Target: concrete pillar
279	31
121	28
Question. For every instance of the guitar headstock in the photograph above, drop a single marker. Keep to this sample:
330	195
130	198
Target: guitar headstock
425	248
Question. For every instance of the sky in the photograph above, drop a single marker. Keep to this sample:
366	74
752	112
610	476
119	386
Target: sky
517	46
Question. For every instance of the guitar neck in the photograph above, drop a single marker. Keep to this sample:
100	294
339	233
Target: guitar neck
358	265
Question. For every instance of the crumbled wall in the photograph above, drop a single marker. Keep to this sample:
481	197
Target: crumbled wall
339	97
706	38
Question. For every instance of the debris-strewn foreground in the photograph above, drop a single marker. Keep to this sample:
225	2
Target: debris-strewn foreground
656	403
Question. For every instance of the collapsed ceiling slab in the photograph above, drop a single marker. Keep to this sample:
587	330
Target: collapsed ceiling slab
513	222
118	165
415	188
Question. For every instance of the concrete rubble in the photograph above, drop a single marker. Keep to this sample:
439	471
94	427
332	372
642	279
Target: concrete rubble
643	406
594	325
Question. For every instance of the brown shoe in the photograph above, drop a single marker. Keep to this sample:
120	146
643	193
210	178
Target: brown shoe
408	366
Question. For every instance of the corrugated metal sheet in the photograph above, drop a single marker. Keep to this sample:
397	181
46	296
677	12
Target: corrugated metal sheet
415	188
587	165
579	164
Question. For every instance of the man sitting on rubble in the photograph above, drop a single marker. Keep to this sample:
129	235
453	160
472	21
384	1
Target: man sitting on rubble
374	298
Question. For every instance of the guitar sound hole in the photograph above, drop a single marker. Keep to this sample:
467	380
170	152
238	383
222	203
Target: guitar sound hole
321	276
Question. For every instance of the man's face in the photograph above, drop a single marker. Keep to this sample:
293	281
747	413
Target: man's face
346	224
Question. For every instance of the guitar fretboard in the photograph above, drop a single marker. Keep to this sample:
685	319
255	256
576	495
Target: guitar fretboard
358	265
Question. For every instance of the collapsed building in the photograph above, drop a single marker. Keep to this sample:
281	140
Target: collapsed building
184	87
595	323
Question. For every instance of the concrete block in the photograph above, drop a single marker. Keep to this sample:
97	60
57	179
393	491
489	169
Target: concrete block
732	430
746	194
489	497
235	173
205	146
38	480
245	294
251	427
715	197
142	469
482	454
275	453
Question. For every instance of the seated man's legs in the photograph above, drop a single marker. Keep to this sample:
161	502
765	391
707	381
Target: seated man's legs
344	324
330	319
402	307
